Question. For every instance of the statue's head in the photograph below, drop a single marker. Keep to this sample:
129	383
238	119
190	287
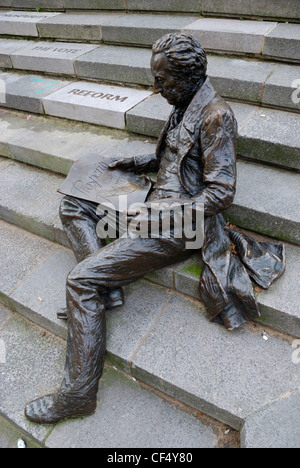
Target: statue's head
178	65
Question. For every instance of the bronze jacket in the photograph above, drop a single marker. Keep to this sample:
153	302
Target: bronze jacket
207	170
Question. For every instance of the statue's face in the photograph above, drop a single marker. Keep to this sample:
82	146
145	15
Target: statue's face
165	83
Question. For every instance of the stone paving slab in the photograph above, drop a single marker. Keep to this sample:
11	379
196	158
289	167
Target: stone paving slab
94	103
275	192
271	136
34	366
240	79
94	4
283	42
149	117
281	88
119	64
21	254
76	26
187	6
26	92
133	417
55	146
255	8
22	23
22	206
246	37
7	47
278	425
42	4
48	57
143	30
248	372
9	436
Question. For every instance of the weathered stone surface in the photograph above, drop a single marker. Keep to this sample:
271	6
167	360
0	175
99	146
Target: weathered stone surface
94	103
44	292
149	117
94	4
5	314
230	35
21	254
10	128
5	3
26	92
144	304
133	417
142	29
272	136
23	204
239	79
42	4
248	371
8	46
281	88
48	57
283	42
34	365
257	8
278	425
22	23
9	436
187	6
75	26
119	64
56	146
274	194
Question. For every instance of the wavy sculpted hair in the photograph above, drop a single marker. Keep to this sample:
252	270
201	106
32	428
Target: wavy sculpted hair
186	57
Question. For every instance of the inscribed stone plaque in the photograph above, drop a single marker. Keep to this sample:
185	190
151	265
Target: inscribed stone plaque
50	57
94	103
22	23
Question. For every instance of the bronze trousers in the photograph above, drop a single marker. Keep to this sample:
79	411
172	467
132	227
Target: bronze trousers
101	267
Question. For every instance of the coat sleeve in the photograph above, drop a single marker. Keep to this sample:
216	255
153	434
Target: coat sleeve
146	163
218	136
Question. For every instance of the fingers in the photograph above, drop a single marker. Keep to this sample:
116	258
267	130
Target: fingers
127	163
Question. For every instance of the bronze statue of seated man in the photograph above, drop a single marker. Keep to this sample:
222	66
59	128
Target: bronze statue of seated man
195	159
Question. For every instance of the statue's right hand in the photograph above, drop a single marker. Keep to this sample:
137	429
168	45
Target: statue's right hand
126	164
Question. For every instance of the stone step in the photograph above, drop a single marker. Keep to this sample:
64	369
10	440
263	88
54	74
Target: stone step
35	203
265	135
171	346
289	10
266	200
264	83
154	420
264	39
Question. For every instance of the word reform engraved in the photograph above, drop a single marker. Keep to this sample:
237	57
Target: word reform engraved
97	95
56	49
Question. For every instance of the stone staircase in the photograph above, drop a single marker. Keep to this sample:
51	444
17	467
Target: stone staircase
77	81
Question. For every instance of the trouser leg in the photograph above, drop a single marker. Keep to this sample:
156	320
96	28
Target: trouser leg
118	264
79	219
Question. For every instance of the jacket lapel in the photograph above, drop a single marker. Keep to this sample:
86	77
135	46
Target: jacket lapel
203	97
